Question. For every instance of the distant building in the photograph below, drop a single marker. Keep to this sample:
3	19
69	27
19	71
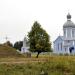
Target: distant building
25	46
66	43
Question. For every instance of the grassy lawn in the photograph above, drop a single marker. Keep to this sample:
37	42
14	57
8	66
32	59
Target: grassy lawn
53	65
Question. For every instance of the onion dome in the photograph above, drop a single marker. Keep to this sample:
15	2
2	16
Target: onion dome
69	23
68	17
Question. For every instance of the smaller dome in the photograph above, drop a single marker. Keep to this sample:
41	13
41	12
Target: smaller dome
68	17
69	24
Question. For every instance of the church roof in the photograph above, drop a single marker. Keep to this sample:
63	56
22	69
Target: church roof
59	37
69	23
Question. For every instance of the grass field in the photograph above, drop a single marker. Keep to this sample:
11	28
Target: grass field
53	65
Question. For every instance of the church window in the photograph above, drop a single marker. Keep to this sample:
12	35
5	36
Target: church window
72	33
61	46
65	49
68	41
58	46
65	32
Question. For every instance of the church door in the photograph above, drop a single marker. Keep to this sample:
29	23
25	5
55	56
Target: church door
71	49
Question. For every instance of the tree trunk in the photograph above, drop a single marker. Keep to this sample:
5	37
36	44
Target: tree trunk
37	54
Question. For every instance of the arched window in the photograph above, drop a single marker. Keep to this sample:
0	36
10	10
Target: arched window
73	32
61	46
65	32
65	49
58	46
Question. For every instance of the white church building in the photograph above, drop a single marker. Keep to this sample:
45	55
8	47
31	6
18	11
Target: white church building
66	43
25	47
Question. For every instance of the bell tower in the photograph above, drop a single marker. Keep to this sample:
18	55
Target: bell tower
69	28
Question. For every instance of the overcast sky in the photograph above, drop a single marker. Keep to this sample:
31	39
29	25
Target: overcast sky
18	16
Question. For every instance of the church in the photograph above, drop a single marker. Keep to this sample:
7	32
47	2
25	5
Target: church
66	43
25	47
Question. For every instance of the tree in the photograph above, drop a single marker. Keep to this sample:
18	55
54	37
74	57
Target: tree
39	39
8	43
18	45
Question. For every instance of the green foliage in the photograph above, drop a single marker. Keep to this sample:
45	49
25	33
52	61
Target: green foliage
18	45
39	39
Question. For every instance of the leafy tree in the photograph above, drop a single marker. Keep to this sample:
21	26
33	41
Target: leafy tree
39	39
18	45
8	43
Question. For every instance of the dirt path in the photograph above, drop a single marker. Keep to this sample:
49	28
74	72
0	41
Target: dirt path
20	62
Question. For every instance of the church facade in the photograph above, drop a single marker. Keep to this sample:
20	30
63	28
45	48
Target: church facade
66	43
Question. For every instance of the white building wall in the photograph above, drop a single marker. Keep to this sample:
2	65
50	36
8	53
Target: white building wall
58	46
24	48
